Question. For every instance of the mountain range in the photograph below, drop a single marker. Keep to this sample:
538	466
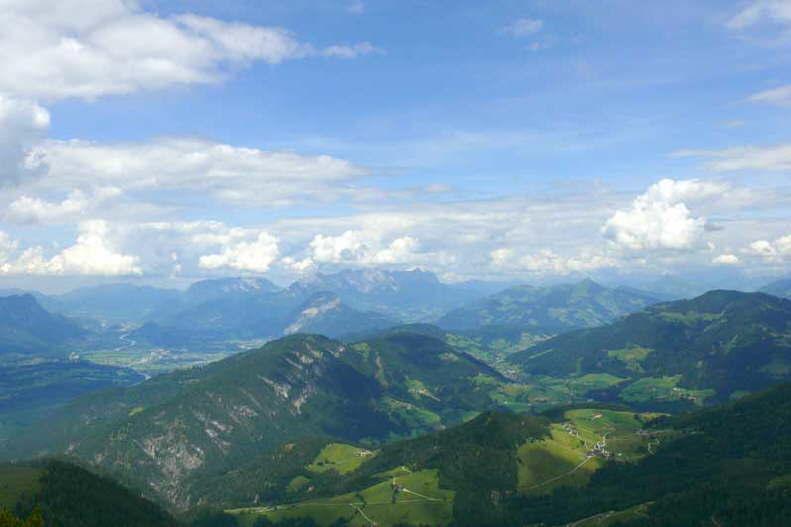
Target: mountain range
416	423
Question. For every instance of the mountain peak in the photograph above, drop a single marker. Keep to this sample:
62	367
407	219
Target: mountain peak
26	327
216	286
20	307
720	300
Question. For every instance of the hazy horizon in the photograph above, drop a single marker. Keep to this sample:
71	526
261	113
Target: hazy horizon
530	141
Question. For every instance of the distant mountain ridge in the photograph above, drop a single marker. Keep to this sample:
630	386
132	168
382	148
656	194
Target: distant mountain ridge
26	328
780	288
551	309
344	303
406	296
111	303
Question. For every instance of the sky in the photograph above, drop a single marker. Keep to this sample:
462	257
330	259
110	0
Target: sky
164	141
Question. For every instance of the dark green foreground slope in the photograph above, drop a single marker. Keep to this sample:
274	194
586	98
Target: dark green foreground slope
69	496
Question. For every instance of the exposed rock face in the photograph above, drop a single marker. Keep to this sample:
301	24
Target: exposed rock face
174	431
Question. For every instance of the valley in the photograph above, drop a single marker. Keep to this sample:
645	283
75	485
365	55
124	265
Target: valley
386	421
395	263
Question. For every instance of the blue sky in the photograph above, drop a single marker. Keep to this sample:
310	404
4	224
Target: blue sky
524	140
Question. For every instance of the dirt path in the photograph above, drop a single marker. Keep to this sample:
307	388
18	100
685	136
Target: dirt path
565	474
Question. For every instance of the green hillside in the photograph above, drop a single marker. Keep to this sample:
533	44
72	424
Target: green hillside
719	345
462	474
177	429
548	310
729	465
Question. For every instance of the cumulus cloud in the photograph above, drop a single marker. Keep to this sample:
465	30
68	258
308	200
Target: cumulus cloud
90	48
726	259
32	210
772	251
660	218
231	174
22	125
780	96
360	247
298	266
92	254
523	27
253	256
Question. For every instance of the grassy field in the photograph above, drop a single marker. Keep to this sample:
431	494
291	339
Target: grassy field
544	392
632	357
16	480
339	457
569	456
580	442
663	389
153	361
420	502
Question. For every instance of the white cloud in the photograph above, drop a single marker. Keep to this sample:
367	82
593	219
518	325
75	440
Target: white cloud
359	247
7	247
298	266
726	259
780	96
22	125
351	51
771	251
400	250
502	257
771	158
347	247
760	12
660	218
91	254
253	256
32	210
523	27
548	262
90	48
228	173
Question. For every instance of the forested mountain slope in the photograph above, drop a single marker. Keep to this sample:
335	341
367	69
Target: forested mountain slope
723	343
165	433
